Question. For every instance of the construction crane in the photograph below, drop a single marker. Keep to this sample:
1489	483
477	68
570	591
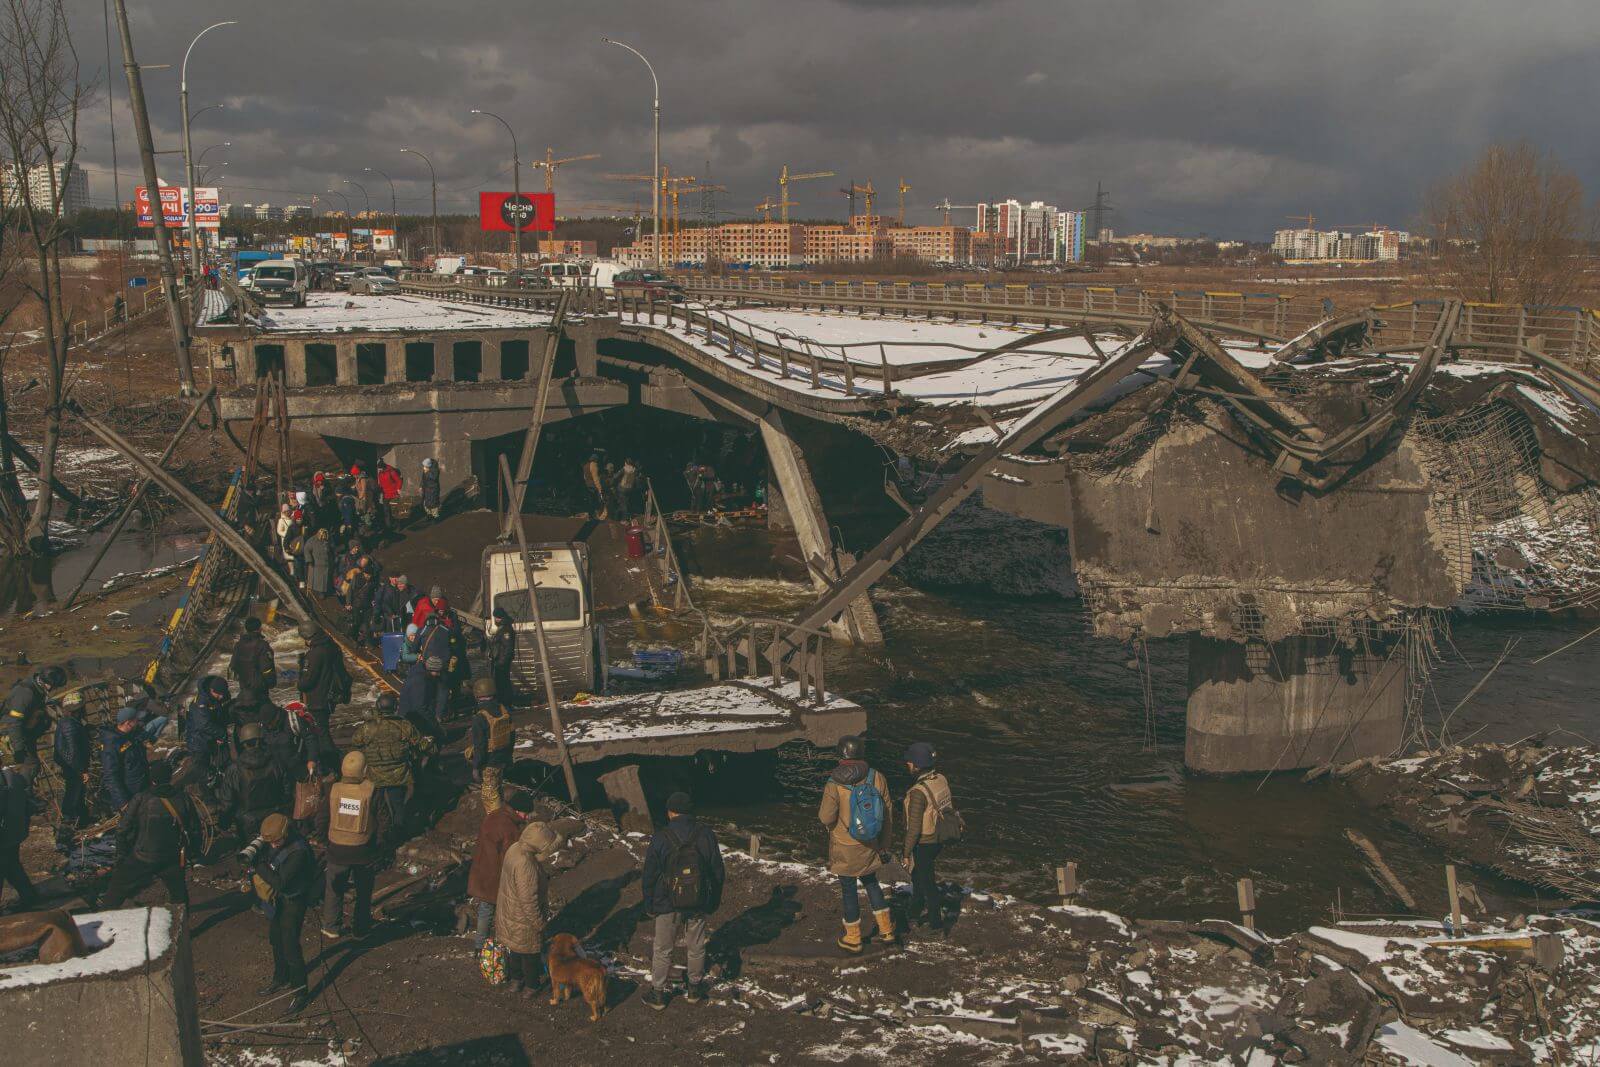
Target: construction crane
769	205
784	178
948	207
904	189
849	193
649	180
550	164
1309	219
674	188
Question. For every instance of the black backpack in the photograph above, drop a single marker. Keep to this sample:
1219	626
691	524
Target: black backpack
685	885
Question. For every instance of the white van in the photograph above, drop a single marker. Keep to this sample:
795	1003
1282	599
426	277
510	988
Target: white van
281	281
565	275
561	579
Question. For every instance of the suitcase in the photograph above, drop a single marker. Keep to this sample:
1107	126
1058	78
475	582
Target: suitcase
390	646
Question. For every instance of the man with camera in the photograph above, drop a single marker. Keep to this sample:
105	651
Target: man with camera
283	871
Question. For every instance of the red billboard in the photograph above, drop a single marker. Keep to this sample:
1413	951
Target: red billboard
508	213
174	199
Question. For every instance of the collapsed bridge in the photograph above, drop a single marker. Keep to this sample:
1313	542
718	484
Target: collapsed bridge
1304	510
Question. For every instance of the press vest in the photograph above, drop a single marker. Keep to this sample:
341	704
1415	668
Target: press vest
350	813
937	791
499	728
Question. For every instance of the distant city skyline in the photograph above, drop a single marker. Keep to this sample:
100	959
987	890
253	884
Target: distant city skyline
1221	118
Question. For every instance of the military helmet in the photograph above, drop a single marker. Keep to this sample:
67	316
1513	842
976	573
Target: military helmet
251	733
54	677
852	747
483	688
387	702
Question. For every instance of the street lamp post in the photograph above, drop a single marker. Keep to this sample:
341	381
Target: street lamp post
433	182
370	250
188	159
205	171
516	189
655	173
394	217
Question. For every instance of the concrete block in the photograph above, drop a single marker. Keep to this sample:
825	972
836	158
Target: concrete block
131	1001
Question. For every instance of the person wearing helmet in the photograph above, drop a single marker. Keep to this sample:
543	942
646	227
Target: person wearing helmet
491	740
254	786
350	823
502	655
124	764
857	814
154	837
25	719
285	877
391	746
205	728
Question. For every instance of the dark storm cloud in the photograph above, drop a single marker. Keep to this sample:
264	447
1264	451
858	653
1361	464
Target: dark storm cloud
1217	117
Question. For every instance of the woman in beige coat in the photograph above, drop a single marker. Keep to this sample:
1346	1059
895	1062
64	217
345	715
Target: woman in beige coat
856	862
523	906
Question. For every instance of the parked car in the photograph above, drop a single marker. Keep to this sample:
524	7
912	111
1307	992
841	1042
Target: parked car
647	284
373	280
281	281
343	273
528	278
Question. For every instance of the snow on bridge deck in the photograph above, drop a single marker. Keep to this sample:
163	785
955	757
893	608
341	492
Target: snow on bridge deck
355	312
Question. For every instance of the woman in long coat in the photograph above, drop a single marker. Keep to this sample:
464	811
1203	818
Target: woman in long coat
522	909
319	564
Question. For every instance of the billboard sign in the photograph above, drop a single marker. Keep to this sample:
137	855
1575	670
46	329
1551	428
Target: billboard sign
511	213
383	240
174	205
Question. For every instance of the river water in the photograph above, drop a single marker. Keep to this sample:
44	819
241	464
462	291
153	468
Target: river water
1043	730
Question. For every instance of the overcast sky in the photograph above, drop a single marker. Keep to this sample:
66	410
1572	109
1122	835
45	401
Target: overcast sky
1200	116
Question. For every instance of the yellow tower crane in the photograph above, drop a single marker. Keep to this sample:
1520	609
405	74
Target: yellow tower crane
948	207
550	164
769	205
784	178
904	189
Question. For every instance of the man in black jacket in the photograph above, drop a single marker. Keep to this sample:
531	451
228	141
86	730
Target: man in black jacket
72	755
157	829
205	730
16	809
253	666
255	785
324	680
502	654
286	878
24	718
683	850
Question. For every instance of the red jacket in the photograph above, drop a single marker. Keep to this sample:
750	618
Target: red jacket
499	832
389	482
425	607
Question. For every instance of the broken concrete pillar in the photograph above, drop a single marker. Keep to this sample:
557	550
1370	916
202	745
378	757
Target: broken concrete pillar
1298	702
804	507
454	459
625	793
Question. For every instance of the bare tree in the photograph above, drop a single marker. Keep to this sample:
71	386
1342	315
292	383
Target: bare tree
39	132
1510	228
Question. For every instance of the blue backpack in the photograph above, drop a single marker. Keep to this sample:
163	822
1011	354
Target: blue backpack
867	808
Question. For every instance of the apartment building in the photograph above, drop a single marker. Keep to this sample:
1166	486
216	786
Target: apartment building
935	244
71	185
1032	232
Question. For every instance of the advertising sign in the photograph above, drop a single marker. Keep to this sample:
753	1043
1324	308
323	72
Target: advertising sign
174	204
383	240
508	213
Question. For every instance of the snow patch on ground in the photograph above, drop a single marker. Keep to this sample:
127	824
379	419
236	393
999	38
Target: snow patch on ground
119	941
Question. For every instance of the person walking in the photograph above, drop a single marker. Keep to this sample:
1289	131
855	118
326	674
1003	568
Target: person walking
124	764
492	739
285	878
594	483
324	681
630	490
432	501
351	823
931	823
26	718
154	837
856	813
502	656
72	752
419	696
391	745
16	812
522	907
319	563
497	833
255	785
253	666
681	886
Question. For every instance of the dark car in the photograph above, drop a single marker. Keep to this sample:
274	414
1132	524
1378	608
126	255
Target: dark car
528	278
647	284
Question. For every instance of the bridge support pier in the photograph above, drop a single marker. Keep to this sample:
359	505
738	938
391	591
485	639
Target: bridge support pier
859	624
1298	702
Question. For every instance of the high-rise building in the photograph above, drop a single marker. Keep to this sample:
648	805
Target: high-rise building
1376	244
71	185
1028	233
1068	237
296	211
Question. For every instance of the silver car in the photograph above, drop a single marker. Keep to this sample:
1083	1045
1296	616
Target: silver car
374	281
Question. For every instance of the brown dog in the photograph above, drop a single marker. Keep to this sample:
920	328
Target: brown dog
568	969
53	932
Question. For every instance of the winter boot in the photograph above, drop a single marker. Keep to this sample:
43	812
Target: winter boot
885	925
851	941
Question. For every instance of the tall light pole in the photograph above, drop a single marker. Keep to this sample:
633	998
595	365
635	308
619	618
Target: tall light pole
205	171
394	217
516	189
371	252
433	181
655	182
188	159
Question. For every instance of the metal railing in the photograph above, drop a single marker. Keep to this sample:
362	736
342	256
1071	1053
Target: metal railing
768	648
660	547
